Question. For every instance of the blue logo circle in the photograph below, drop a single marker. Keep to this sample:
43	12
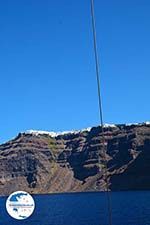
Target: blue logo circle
20	205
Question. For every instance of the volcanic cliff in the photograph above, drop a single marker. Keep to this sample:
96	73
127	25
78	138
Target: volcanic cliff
42	162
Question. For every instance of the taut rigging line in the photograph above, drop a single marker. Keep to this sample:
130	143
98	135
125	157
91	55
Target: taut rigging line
101	112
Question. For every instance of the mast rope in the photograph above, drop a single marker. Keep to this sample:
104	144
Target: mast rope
108	192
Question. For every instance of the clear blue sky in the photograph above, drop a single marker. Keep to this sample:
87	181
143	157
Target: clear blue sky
47	72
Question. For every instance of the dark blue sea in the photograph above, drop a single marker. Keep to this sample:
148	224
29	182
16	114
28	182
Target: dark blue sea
128	208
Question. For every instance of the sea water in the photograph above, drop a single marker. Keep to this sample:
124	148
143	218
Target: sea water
128	208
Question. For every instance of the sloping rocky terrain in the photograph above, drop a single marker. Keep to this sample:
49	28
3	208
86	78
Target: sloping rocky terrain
69	162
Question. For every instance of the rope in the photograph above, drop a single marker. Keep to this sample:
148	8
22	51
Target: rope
101	113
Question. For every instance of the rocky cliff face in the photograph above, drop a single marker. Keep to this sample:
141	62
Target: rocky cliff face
44	163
